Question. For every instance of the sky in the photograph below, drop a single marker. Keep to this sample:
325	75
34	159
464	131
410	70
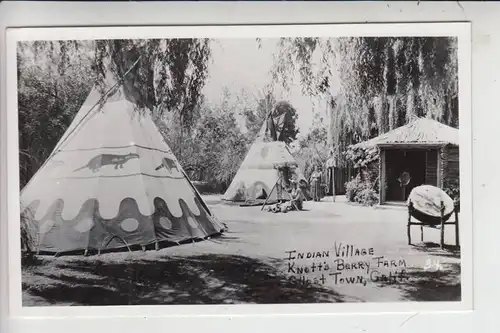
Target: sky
238	64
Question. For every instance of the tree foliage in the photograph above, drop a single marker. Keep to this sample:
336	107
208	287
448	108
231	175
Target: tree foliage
222	146
54	78
169	74
312	149
361	157
374	84
214	148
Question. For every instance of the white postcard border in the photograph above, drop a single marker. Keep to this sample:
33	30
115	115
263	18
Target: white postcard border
461	30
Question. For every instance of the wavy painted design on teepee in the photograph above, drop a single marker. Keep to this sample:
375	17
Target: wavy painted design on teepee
89	230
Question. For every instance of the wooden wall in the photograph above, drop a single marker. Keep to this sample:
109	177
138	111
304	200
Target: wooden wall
382	187
444	170
341	176
451	169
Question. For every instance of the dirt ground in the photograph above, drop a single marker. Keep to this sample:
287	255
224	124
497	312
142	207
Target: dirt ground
265	258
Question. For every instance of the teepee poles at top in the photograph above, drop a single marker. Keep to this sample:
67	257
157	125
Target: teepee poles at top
105	95
268	129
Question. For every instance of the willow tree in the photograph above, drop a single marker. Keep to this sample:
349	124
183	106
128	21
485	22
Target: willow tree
373	84
163	75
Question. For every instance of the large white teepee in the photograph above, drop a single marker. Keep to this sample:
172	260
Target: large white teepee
259	171
112	183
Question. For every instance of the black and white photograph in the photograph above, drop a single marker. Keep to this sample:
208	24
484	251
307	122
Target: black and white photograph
242	170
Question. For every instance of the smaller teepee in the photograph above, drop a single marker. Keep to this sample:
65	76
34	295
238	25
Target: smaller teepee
112	183
260	170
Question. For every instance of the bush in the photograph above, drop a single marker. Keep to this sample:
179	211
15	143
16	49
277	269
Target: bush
28	257
352	187
367	197
26	235
361	191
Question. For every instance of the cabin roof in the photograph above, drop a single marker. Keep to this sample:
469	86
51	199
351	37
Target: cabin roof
422	131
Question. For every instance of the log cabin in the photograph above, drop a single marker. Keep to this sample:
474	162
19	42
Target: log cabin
424	150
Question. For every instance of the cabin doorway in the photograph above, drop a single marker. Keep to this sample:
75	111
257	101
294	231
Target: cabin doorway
405	171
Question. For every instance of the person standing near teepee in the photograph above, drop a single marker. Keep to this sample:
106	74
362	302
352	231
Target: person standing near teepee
315	182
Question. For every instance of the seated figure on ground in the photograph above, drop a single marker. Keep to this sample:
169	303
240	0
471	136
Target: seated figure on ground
297	196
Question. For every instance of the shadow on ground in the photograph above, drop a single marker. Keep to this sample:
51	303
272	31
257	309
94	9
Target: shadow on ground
434	249
434	284
204	279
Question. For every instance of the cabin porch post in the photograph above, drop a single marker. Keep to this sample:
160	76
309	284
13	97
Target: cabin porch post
440	171
457	230
381	187
442	225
